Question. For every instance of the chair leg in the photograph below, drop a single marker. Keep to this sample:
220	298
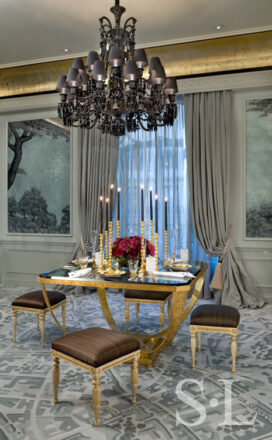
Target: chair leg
126	313
42	328
38	322
63	311
234	351
14	323
96	398
56	378
134	378
162	316
137	309
193	346
199	340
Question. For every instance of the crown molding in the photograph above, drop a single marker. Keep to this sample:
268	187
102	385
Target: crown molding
212	36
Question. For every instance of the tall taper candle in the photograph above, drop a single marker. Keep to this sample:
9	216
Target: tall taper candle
156	213
118	203
107	214
151	204
142	203
165	213
101	214
111	201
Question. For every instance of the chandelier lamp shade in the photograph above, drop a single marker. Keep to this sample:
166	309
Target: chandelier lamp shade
110	90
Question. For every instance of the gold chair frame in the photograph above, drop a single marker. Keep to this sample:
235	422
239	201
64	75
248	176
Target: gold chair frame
232	331
96	373
138	301
40	316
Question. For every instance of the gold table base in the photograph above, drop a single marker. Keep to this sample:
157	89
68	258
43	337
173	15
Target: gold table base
151	345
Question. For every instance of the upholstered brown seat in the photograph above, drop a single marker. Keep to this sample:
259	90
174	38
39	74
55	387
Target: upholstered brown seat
149	297
215	315
214	318
36	300
96	346
33	302
96	350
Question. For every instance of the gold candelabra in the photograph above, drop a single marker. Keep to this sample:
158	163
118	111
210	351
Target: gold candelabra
94	263
110	247
118	229
143	262
107	246
174	258
156	252
101	268
165	245
151	232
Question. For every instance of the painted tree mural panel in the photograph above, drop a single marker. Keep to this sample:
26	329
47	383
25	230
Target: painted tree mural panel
38	177
258	168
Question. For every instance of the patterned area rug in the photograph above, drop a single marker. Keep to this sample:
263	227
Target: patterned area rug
27	411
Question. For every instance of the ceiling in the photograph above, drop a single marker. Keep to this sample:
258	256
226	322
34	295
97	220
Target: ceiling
40	30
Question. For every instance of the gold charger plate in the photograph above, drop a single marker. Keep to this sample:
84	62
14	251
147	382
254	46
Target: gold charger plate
179	266
118	274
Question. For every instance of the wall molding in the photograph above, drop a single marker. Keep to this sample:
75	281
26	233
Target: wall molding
221	54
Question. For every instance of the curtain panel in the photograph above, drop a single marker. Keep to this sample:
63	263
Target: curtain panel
208	143
158	160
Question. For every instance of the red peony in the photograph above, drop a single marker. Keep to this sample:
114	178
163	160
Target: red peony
130	247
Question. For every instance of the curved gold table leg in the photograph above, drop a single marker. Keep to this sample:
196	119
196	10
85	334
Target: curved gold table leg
47	302
101	292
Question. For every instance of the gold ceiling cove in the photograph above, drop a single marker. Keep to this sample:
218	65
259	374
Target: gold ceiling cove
238	52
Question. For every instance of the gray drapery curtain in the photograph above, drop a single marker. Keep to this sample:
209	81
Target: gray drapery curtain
208	142
97	167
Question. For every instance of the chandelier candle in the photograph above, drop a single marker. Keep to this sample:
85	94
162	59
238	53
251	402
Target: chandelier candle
110	90
118	212
151	216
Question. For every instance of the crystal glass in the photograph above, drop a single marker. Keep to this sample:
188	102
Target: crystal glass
133	266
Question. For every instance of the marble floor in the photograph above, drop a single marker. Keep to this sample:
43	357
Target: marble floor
27	411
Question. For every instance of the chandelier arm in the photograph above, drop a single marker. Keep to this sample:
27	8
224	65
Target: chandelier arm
131	26
92	126
143	127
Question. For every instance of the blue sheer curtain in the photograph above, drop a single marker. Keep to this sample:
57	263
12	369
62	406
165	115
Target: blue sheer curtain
158	160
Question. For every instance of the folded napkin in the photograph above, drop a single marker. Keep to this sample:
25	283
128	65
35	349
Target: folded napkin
174	274
80	273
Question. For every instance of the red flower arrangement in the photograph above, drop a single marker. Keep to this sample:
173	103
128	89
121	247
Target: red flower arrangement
130	247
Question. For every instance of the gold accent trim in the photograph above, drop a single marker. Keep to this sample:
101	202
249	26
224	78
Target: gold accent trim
239	52
232	331
96	373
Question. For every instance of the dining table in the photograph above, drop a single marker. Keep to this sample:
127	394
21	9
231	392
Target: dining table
184	287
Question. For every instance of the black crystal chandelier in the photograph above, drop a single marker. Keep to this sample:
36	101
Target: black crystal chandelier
110	91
